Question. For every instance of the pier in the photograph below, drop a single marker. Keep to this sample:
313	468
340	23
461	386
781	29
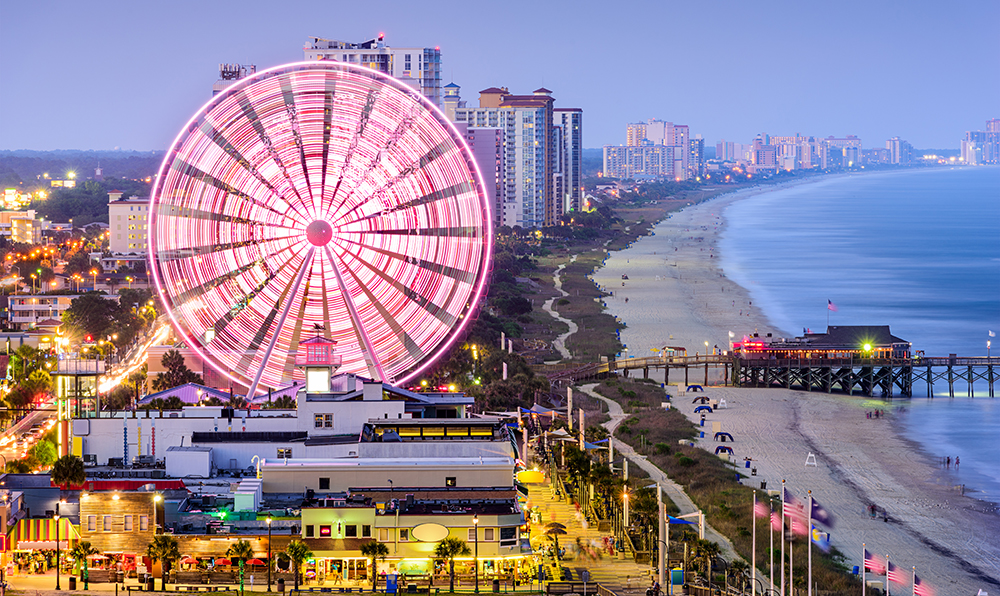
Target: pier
871	377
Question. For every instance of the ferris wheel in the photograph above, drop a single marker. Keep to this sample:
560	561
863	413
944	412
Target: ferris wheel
319	198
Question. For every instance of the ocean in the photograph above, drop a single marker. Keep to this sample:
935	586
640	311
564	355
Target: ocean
918	250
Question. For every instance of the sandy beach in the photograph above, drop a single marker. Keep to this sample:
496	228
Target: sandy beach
678	296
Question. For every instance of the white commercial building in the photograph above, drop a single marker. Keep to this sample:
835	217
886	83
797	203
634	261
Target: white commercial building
129	223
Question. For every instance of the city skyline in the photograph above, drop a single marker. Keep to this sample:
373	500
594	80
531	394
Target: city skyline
730	73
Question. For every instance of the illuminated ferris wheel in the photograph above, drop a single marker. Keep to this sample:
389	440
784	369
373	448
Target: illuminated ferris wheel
319	198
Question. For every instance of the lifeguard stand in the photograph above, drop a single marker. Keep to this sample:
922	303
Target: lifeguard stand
317	358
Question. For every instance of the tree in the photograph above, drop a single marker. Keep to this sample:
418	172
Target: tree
80	553
449	548
163	548
375	551
44	453
708	550
284	402
298	552
241	550
92	314
171	403
68	470
740	570
177	372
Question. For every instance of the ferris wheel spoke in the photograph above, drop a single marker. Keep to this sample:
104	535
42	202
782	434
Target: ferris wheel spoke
250	113
195	173
328	95
446	194
371	357
288	300
428	305
179	254
423	161
436	268
219	139
412	348
292	111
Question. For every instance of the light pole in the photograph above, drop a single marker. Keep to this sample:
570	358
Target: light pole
269	553
57	547
475	528
156	500
94	273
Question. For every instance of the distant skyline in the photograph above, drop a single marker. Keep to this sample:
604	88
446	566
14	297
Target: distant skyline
130	74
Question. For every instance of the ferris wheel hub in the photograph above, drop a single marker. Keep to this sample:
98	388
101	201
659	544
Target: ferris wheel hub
319	233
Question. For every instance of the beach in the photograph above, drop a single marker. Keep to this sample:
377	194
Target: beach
677	294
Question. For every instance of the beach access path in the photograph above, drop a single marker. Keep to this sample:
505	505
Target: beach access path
671	489
559	343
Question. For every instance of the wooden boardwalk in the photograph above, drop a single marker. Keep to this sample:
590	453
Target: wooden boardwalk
865	376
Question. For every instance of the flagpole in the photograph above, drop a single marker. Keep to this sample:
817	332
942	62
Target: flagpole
809	527
791	559
782	537
770	526
887	575
864	566
914	580
753	563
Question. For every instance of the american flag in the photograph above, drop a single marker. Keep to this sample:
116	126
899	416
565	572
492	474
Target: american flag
895	574
775	521
831	306
920	588
760	508
874	564
796	512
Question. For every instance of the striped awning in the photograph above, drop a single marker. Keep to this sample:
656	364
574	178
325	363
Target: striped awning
40	534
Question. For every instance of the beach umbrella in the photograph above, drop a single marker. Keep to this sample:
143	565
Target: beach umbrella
555	533
188	561
555	525
255	562
223	561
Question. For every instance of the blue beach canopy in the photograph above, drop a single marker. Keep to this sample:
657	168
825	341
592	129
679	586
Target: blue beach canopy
702	408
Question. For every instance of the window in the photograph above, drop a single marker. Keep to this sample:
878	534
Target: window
128	523
488	534
472	535
366	531
508	536
383	534
91	523
324	484
327	420
143	523
310	531
449	481
284	453
351	531
318	421
324	531
404	535
106	525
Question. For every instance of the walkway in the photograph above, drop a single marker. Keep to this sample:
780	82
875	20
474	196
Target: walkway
610	571
559	343
670	488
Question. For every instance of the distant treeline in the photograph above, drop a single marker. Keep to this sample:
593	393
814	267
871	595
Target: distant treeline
23	169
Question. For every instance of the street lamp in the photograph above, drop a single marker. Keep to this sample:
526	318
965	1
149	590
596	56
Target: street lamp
156	500
57	547
268	553
94	273
475	527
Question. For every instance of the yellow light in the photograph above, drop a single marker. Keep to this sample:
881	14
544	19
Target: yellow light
868	347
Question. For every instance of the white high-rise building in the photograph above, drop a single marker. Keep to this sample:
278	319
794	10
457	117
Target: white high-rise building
418	67
568	143
129	223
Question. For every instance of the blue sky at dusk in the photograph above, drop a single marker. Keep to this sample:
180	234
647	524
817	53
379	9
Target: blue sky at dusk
100	75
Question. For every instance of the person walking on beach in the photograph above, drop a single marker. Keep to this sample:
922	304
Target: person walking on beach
956	461
948	462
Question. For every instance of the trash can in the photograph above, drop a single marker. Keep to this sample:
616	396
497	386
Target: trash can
748	463
855	571
411	588
150	582
281	585
121	577
763	485
72	583
703	420
702	436
496	586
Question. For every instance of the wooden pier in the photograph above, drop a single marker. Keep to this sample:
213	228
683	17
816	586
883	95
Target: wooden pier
883	377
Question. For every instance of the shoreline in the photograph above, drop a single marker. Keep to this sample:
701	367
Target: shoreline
679	295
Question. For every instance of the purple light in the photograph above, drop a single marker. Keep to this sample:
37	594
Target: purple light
338	172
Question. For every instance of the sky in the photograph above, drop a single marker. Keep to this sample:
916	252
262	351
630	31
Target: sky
129	75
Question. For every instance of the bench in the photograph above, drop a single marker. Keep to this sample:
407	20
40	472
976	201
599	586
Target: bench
202	588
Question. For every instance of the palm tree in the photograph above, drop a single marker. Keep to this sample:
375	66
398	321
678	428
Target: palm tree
741	571
375	551
708	550
79	553
449	548
68	470
241	550
163	548
298	552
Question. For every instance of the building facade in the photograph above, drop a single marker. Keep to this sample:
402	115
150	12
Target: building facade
982	147
129	221
418	67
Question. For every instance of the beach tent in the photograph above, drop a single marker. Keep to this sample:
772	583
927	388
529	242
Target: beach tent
559	433
701	398
592	446
722	436
703	409
692	388
723	449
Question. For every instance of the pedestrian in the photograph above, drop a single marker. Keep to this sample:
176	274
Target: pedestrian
948	461
956	461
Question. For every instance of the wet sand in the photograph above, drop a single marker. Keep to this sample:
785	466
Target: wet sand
678	296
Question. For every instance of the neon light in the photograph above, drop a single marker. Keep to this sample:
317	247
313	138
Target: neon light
404	221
